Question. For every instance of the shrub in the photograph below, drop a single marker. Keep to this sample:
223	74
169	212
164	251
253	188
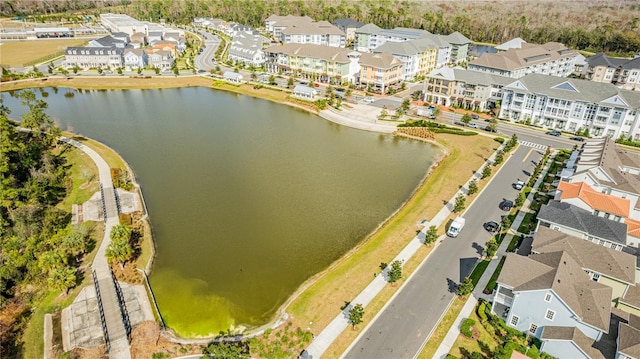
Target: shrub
486	171
499	139
481	311
465	327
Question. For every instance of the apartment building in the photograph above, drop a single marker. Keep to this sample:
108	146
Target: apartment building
571	105
623	73
380	70
551	58
93	57
247	48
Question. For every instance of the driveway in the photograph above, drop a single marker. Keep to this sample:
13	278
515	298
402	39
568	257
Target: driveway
406	322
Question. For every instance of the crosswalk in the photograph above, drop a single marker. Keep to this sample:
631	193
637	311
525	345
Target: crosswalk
532	144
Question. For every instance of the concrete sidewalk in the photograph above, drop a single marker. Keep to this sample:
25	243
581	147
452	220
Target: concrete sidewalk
322	341
452	335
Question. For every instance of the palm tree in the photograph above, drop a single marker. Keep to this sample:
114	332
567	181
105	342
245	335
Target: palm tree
62	278
120	231
120	251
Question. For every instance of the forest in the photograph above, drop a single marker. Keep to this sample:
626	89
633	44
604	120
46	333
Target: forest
40	250
612	27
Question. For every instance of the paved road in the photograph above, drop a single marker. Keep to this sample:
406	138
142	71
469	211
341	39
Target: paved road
406	322
206	60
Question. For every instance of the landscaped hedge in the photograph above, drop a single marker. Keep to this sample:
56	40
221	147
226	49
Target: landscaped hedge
454	132
465	327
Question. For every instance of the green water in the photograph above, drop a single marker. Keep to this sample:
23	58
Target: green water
247	198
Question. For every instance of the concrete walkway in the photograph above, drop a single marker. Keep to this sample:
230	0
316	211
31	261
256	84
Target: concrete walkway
329	334
360	116
116	335
452	335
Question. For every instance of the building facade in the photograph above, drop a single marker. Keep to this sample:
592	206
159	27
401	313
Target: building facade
623	73
572	105
93	57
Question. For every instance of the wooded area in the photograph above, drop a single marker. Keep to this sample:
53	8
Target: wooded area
607	26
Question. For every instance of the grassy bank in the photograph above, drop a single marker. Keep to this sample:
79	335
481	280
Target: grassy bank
320	299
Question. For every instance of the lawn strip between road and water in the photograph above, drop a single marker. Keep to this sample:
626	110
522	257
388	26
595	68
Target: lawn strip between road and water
320	299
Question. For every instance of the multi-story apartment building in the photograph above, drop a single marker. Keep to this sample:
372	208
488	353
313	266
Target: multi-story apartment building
93	57
463	88
380	70
624	73
316	62
274	24
551	58
418	56
572	105
349	27
247	48
317	33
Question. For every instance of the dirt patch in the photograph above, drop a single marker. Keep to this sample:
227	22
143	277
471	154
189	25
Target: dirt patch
93	353
146	339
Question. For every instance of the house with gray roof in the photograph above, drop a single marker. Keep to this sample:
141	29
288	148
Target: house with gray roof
551	58
545	291
578	222
274	24
515	43
107	41
623	73
418	56
304	92
135	59
464	88
233	77
317	33
348	26
570	105
247	48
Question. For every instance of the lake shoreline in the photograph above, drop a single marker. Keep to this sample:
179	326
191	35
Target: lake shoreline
199	81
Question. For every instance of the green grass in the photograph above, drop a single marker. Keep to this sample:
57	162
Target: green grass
472	345
84	177
528	223
491	285
513	244
478	271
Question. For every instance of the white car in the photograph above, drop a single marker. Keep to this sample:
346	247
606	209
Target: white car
518	185
368	100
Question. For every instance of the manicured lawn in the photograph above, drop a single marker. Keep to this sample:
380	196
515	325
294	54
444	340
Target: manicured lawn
19	53
84	176
528	223
494	277
478	271
469	345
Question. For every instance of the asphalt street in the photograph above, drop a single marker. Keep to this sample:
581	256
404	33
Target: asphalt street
407	320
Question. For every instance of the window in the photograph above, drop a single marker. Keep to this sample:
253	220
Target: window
514	320
547	297
533	328
550	314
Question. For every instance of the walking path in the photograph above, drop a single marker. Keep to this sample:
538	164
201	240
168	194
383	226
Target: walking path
322	341
452	335
112	308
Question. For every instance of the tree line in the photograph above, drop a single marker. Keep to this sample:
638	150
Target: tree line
598	26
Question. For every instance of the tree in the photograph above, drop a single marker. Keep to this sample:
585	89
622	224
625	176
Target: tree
290	82
460	203
473	187
62	278
520	199
272	80
231	350
498	158
254	76
493	124
431	235
465	287
355	315
176	71
120	231
100	70
486	171
119	70
157	70
506	222
395	272
139	70
406	105
383	113
75	69
466	118
491	247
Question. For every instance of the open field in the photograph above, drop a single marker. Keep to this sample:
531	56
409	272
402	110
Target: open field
18	53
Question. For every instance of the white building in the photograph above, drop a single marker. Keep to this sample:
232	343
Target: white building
571	105
247	48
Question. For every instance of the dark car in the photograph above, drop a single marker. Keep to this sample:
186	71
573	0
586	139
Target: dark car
459	123
474	117
506	205
554	133
577	138
489	129
491	226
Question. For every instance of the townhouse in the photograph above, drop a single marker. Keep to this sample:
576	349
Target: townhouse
572	105
247	49
135	59
551	58
623	73
160	59
93	57
554	300
108	41
463	88
380	70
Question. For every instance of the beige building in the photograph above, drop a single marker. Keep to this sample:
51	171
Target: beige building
380	70
552	58
624	73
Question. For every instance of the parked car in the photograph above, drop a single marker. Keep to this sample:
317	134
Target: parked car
472	125
554	133
489	129
459	123
506	205
474	117
491	226
368	100
577	138
518	185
